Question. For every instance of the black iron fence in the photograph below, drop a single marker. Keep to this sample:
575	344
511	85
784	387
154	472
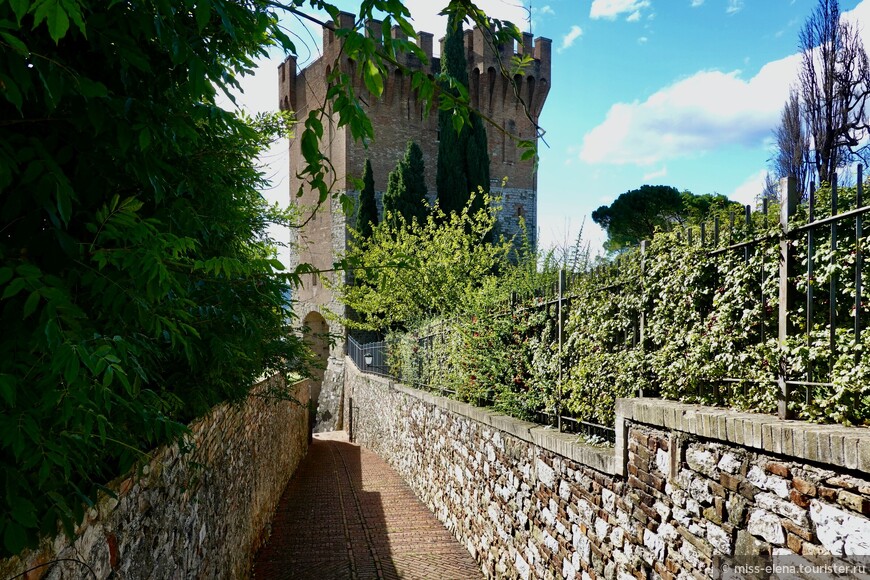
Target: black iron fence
370	357
785	253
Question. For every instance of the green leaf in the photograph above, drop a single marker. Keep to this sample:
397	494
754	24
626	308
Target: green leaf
31	304
11	91
458	122
20	8
202	12
144	139
5	275
89	88
15	43
71	369
64	204
7	389
74	11
24	512
16	286
373	78
14	538
55	17
108	376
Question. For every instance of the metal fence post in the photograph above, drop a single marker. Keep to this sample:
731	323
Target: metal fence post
859	259
644	244
350	419
832	290
561	340
787	292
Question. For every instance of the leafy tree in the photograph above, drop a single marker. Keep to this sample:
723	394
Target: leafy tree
834	86
637	214
702	207
138	285
463	160
406	190
409	271
367	211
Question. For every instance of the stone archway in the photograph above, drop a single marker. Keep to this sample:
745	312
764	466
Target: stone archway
316	336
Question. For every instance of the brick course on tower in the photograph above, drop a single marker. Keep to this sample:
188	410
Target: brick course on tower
398	117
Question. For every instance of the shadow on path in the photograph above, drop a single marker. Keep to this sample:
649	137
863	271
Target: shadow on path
347	514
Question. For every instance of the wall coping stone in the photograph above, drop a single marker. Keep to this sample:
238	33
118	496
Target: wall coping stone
835	445
839	445
601	459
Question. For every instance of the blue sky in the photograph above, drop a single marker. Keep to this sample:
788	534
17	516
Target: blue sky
676	92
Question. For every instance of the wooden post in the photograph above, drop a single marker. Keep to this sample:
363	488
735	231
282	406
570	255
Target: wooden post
787	263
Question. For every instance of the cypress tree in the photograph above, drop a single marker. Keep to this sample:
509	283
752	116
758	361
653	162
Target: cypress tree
477	159
367	212
463	160
406	189
391	197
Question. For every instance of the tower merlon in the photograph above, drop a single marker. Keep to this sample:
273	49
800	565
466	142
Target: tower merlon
287	84
526	47
346	20
374	29
482	54
543	52
424	41
397	33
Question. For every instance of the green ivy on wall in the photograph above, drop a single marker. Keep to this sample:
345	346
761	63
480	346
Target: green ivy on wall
684	321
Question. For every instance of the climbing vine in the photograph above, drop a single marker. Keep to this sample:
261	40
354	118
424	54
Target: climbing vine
685	320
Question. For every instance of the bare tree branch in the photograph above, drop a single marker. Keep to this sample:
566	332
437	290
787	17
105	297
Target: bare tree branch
834	88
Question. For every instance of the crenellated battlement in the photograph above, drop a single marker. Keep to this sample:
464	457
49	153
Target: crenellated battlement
490	91
511	107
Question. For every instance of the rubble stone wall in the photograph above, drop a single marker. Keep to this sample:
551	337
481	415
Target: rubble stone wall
197	515
675	498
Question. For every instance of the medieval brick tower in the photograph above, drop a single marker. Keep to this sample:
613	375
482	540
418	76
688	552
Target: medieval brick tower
398	118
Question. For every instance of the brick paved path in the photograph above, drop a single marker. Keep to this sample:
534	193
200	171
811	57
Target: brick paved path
347	514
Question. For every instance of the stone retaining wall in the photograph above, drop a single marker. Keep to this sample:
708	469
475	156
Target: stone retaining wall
676	498
197	515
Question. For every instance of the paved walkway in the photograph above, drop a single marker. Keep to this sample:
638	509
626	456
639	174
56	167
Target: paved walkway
347	514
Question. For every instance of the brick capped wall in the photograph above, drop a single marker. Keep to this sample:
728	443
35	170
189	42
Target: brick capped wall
201	515
674	499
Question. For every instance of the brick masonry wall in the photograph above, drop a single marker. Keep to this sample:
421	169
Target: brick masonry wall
528	502
201	515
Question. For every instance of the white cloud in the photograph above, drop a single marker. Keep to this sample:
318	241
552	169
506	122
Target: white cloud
750	190
734	6
700	113
425	15
694	115
635	16
696	3
642	40
663	172
610	9
568	40
546	10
